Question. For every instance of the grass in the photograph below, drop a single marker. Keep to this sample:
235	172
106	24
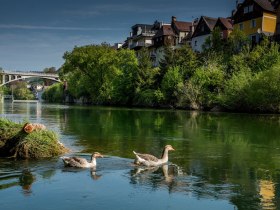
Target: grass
14	142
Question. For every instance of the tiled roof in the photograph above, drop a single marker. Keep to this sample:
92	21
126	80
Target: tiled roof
275	3
183	26
265	4
211	22
165	30
226	22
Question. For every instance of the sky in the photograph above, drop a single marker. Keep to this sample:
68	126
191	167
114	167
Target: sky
34	34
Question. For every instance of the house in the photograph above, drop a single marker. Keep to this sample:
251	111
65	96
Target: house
276	5
165	36
255	18
141	36
182	29
225	25
202	31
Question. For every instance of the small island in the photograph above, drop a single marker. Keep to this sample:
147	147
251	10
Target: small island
27	140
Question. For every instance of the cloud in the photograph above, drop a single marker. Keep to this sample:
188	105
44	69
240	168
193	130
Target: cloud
62	28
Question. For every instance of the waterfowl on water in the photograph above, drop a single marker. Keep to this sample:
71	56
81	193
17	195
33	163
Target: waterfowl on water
150	160
79	162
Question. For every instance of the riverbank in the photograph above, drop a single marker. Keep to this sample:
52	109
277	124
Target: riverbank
229	78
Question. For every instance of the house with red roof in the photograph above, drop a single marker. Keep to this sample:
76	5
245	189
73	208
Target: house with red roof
225	25
202	31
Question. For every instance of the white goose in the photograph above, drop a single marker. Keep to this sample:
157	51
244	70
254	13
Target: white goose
150	160
79	162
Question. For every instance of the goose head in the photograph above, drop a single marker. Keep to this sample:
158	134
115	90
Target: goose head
169	148
96	155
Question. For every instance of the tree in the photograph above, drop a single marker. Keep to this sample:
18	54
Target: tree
92	72
50	70
171	84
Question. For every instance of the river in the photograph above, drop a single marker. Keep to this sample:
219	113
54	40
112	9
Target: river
222	161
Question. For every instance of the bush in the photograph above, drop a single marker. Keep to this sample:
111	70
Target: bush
264	91
54	93
205	86
235	93
171	83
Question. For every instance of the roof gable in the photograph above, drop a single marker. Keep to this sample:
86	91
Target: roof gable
165	30
224	23
182	26
265	4
205	26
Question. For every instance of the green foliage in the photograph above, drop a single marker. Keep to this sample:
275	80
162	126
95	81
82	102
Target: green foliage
264	91
145	74
53	93
205	85
21	92
214	42
183	57
235	91
171	84
229	73
91	71
236	42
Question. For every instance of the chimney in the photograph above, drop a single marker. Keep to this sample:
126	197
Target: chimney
174	19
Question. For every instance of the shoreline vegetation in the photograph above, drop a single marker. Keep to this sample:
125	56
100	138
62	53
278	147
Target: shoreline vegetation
229	75
23	140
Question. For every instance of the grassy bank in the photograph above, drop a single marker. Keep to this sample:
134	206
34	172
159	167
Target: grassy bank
15	142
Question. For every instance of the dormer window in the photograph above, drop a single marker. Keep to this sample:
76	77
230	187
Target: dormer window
251	8
202	28
248	9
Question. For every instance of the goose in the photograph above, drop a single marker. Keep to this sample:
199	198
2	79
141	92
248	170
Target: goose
150	160
79	162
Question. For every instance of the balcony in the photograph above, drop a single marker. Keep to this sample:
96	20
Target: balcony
140	44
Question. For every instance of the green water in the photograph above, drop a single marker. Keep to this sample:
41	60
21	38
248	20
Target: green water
222	161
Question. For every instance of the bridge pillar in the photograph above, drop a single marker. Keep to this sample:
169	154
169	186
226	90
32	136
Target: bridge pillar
3	79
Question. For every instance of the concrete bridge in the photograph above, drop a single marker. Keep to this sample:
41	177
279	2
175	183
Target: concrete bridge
11	76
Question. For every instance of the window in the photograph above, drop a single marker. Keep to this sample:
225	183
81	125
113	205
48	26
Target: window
241	27
202	28
195	43
253	23
250	9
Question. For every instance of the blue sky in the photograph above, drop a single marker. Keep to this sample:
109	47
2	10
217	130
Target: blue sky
34	34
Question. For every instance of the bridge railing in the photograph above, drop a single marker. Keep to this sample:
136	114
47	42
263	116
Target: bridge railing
31	73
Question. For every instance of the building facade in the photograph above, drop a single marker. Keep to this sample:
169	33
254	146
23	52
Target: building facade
255	18
202	31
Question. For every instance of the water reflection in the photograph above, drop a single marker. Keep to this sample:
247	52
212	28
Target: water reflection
158	176
231	157
94	174
26	180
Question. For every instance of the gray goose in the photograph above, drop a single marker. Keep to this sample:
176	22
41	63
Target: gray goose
79	162
150	160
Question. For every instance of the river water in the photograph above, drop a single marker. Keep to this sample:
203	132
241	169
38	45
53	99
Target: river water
222	161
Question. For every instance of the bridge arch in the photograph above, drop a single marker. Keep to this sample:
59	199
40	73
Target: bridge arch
16	76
